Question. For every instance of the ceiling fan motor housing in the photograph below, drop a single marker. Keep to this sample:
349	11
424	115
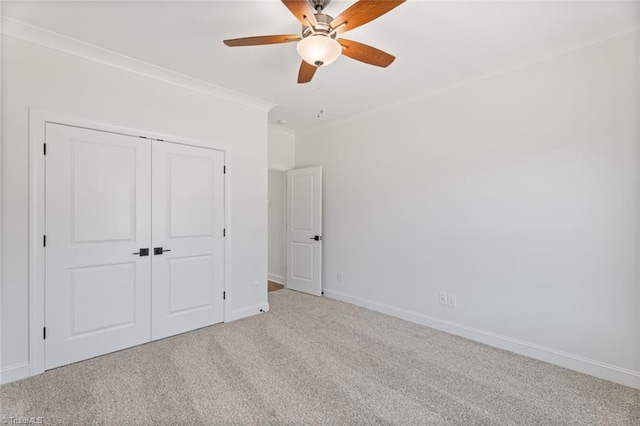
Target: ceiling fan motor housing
323	26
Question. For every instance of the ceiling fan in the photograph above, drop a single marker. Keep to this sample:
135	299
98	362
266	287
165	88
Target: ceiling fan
318	45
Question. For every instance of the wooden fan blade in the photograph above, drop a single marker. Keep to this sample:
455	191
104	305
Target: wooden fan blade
260	40
306	72
300	9
362	12
367	54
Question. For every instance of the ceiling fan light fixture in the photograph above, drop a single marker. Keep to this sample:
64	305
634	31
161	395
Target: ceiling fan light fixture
317	45
319	49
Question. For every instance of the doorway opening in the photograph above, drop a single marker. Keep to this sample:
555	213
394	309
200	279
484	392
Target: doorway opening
277	196
273	286
295	229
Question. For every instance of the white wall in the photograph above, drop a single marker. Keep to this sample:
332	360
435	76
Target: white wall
47	79
281	148
277	225
518	193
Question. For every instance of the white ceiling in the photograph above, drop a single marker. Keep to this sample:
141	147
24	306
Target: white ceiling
436	43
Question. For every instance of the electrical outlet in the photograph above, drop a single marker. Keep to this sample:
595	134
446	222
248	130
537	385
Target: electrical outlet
453	301
443	298
339	276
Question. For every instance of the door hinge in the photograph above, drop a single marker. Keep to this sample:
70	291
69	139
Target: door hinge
224	169
44	241
224	295
45	149
44	332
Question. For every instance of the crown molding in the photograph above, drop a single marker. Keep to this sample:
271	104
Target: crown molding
525	58
23	31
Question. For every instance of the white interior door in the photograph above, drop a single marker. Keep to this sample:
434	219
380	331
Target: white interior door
98	205
188	245
304	230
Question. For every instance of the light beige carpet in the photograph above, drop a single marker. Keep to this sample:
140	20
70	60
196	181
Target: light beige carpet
317	361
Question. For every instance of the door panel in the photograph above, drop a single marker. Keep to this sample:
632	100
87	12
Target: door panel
304	251
92	288
302	187
190	197
97	292
190	281
188	220
102	192
302	260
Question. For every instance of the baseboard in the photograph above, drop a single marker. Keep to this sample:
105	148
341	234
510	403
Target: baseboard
276	279
14	372
248	312
573	362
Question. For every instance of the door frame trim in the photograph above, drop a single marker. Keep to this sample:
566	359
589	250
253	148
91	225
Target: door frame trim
37	122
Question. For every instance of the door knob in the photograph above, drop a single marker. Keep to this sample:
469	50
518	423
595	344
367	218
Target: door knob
143	252
160	250
316	238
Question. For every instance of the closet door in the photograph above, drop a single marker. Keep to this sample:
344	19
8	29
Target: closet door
188	245
98	210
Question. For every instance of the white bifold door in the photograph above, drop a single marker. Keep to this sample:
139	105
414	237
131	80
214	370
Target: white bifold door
98	210
304	230
188	245
134	248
